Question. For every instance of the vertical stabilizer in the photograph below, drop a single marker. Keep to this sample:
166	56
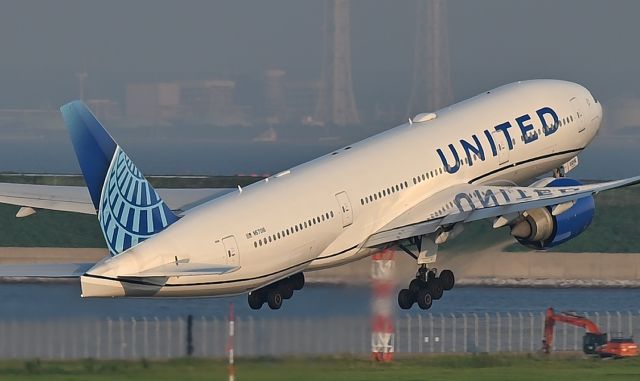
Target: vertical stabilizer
128	208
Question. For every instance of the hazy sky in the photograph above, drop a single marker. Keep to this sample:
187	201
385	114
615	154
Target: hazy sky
492	42
44	43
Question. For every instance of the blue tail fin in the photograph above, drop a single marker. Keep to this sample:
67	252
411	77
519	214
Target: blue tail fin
128	208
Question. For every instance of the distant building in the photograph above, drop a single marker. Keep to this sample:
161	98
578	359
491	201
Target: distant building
276	111
152	103
105	109
211	102
208	102
30	118
302	98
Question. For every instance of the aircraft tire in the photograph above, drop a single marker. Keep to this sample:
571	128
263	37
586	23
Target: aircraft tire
274	299
298	281
286	289
424	299
256	300
416	285
406	298
435	288
448	279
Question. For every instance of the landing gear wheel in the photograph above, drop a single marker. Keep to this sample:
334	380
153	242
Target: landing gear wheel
416	285
256	300
297	280
447	279
435	288
406	298
274	299
424	299
286	289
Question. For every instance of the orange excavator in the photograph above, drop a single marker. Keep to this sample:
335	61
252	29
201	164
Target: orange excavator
594	342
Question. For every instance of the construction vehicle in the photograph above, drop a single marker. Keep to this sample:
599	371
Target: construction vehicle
594	342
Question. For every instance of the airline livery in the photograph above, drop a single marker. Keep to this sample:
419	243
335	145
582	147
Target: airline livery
478	159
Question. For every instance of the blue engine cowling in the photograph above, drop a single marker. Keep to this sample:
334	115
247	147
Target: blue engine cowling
541	230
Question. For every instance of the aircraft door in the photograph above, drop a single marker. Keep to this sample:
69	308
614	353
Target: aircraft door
501	146
345	209
232	255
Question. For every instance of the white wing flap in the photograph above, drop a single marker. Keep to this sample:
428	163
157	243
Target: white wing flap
466	203
76	199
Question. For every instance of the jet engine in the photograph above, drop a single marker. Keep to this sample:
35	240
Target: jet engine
543	228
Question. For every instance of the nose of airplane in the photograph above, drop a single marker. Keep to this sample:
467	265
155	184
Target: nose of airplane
599	110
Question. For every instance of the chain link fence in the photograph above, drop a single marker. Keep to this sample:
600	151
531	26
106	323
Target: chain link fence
207	337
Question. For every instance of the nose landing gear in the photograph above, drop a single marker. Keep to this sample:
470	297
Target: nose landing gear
275	293
425	288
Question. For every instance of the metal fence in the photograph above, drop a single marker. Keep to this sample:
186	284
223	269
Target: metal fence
154	338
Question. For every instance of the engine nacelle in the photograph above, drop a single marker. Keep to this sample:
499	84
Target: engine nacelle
539	229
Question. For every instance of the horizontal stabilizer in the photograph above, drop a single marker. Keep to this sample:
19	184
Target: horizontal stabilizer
183	269
45	270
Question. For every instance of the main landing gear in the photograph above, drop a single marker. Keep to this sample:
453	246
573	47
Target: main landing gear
425	288
275	293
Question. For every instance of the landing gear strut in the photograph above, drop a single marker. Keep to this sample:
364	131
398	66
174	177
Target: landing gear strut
275	293
425	288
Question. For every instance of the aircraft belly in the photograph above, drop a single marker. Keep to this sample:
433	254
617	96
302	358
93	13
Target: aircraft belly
186	286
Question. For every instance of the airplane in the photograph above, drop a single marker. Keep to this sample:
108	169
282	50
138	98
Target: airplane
412	187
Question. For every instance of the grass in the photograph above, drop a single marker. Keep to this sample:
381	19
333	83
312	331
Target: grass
442	368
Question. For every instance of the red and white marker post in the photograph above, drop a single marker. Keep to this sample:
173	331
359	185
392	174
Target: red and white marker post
230	343
383	267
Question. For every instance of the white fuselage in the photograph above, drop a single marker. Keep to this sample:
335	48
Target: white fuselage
319	214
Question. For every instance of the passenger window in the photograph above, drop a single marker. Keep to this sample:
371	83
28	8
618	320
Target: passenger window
269	238
260	242
332	214
255	244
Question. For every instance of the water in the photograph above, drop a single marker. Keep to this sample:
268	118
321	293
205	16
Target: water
45	301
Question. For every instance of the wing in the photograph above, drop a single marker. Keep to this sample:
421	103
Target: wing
77	199
466	203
